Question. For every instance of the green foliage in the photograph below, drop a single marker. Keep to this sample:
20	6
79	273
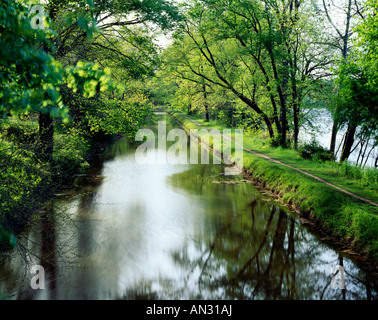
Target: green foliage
64	70
115	116
344	217
7	239
22	132
313	150
275	142
258	53
22	179
87	78
357	100
70	150
225	118
160	12
367	176
29	77
367	41
358	77
161	89
25	181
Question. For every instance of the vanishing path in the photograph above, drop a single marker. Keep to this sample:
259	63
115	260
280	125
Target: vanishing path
294	168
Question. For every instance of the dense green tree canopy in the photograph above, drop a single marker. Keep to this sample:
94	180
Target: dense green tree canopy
269	54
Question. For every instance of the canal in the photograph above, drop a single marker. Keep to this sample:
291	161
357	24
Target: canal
173	231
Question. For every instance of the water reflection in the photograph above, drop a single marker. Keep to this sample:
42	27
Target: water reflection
132	231
257	250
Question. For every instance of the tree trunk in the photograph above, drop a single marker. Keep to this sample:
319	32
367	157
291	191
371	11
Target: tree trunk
296	96
281	90
348	142
205	102
295	111
46	124
46	137
333	137
275	114
268	125
296	125
344	51
207	112
283	98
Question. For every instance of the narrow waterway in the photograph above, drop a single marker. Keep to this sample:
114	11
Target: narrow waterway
164	231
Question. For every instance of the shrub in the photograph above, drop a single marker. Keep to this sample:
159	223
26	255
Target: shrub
21	131
275	142
69	155
370	177
22	179
313	150
25	181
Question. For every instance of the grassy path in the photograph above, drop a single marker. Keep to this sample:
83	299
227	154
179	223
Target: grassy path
292	167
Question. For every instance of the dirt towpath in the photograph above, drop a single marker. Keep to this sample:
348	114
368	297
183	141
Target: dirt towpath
294	168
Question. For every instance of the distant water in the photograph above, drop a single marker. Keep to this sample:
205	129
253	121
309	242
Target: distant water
322	133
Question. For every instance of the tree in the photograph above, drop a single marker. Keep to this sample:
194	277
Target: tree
55	52
117	36
263	52
342	42
31	76
208	58
358	78
25	67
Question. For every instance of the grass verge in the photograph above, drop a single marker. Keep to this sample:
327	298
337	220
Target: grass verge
349	221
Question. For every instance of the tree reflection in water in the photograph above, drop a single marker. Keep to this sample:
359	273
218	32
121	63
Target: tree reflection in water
263	252
164	232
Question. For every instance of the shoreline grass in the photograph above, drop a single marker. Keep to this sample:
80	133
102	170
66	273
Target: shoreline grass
344	175
353	222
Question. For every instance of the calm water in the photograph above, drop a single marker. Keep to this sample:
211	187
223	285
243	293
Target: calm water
321	130
158	231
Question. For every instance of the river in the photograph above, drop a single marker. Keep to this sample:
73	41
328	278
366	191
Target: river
320	129
164	231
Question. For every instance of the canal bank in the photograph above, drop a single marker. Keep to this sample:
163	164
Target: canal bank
27	181
341	220
168	231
